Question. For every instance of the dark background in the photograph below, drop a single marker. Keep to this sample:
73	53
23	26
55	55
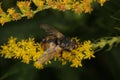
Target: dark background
102	22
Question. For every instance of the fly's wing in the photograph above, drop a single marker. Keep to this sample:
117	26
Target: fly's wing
46	56
52	31
49	54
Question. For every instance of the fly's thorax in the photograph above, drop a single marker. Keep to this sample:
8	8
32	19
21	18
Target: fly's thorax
68	44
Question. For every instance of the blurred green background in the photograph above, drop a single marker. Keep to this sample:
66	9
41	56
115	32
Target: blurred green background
102	22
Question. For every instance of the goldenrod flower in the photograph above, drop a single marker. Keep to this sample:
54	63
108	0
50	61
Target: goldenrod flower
25	8
61	6
28	50
50	3
11	11
1	10
2	21
102	2
3	17
84	51
15	16
78	6
38	65
39	3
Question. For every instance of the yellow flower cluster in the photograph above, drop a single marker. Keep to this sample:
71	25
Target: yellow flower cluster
26	50
25	8
3	16
29	50
78	6
84	51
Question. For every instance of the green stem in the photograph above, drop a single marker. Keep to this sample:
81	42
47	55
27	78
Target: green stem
102	42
